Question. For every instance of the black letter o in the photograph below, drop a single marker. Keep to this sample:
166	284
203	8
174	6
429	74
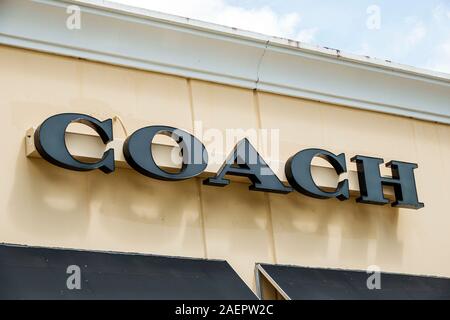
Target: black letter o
138	154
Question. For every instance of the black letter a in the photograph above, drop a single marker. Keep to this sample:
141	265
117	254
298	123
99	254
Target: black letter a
245	161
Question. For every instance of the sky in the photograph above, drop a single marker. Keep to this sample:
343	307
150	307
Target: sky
414	32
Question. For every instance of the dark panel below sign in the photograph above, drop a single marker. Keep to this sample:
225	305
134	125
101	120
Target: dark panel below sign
300	283
40	273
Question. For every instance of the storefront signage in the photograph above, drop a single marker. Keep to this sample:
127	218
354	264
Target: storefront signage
243	161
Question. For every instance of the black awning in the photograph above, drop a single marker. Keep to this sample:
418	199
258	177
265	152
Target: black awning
41	273
300	283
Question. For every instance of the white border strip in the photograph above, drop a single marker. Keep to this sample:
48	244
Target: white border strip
259	271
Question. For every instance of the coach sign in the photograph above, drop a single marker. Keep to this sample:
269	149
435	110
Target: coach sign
243	161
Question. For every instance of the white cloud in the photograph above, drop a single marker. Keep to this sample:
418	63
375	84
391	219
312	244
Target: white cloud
440	58
262	19
441	13
307	35
417	32
364	49
405	41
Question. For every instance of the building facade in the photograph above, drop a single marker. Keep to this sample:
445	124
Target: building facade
141	68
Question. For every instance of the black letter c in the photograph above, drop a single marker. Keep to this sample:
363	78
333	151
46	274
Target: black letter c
298	173
50	142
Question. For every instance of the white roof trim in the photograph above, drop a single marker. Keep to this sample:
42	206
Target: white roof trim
144	39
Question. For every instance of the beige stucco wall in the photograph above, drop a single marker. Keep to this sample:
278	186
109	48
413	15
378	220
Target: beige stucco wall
44	205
